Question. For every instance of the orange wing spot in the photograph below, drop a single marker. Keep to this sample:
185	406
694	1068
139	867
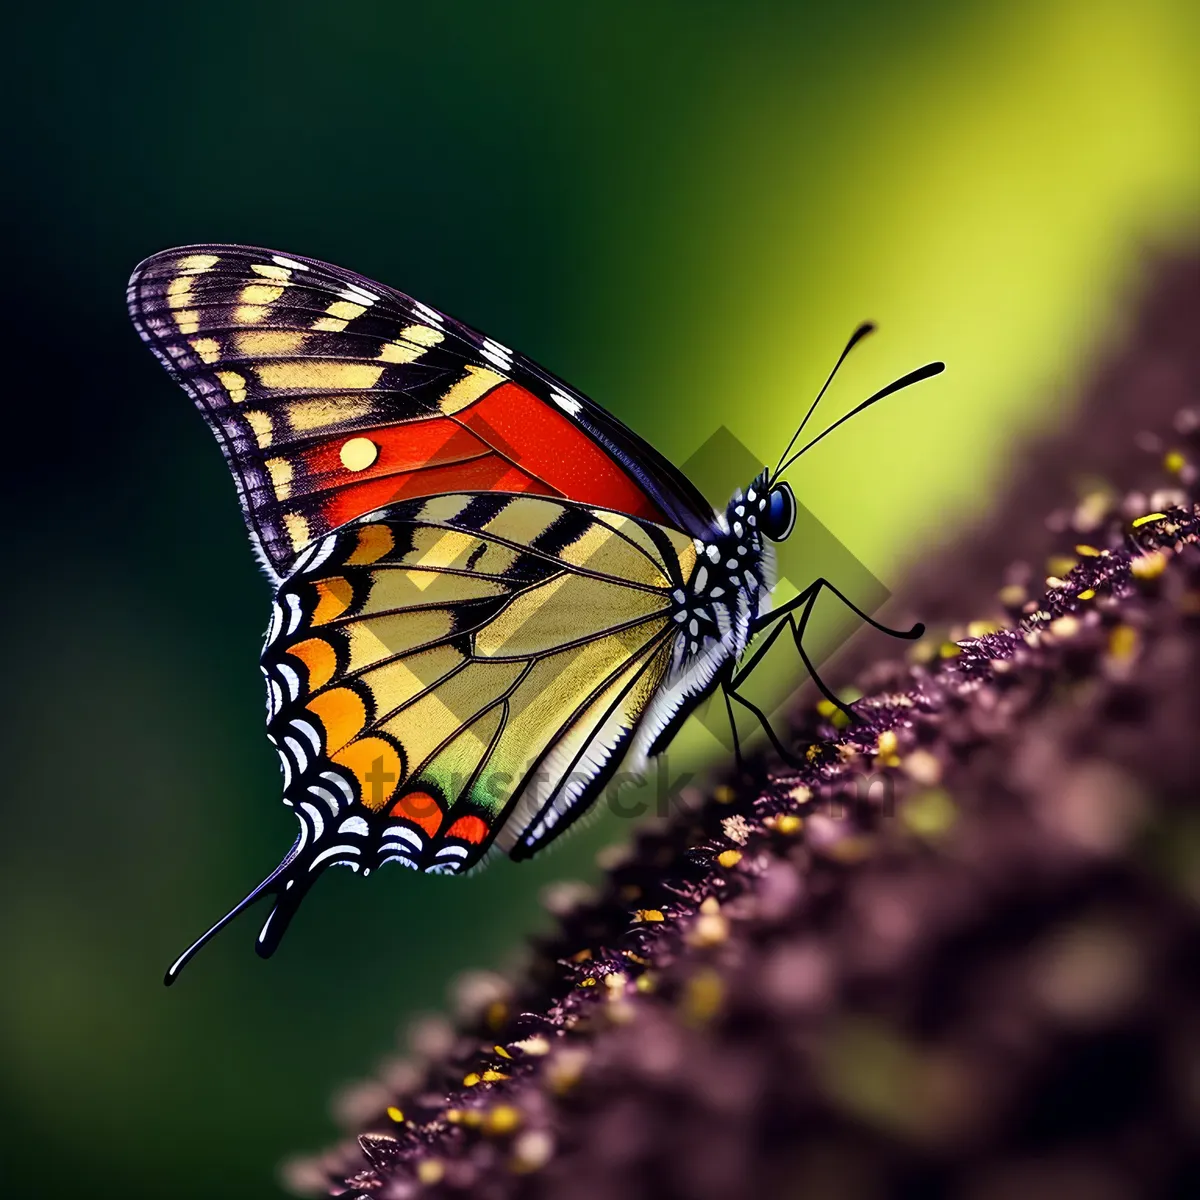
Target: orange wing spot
421	809
318	658
342	713
333	598
376	765
374	541
471	829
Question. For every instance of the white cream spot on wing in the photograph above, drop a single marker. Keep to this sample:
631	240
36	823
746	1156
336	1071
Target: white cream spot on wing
358	454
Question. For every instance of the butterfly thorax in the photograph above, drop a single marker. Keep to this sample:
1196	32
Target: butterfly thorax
730	584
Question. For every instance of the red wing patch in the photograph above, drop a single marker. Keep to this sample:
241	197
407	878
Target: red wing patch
333	396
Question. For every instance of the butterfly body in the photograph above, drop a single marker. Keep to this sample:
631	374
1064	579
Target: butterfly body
489	592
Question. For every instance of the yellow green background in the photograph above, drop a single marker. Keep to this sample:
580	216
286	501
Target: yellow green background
683	208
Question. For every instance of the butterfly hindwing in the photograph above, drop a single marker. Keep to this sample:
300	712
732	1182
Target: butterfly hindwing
333	396
461	670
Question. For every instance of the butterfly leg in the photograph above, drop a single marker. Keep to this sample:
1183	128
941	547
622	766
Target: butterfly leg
786	755
795	616
807	597
737	745
806	602
730	686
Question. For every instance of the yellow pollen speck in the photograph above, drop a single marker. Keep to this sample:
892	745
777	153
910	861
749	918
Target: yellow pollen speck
430	1171
358	454
929	813
500	1050
493	1076
1087	594
502	1119
1154	516
978	629
1088	551
789	824
1148	566
708	929
949	650
1123	642
588	982
1012	596
453	1115
470	1080
923	766
1174	462
729	858
396	1114
532	1151
888	742
645	983
648	914
703	996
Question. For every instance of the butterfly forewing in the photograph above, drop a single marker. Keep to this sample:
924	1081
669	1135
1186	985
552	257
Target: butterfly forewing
333	396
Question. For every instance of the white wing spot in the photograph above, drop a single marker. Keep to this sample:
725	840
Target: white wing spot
567	403
498	355
428	313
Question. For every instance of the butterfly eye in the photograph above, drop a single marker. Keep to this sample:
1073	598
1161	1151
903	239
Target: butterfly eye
780	517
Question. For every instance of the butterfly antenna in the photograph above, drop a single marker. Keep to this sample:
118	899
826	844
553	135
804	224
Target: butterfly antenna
921	373
271	931
856	337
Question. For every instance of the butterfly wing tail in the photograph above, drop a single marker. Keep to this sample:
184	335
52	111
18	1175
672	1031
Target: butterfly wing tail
283	883
287	900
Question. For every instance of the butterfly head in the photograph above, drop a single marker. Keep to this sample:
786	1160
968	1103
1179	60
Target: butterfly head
768	506
778	508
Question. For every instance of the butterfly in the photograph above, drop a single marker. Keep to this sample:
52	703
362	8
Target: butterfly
489	592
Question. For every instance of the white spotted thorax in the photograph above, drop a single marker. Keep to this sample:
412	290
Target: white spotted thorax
715	610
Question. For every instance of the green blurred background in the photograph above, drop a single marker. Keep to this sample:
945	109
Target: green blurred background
681	207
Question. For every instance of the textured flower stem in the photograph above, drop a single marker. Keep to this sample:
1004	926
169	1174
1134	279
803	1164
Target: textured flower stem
955	954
